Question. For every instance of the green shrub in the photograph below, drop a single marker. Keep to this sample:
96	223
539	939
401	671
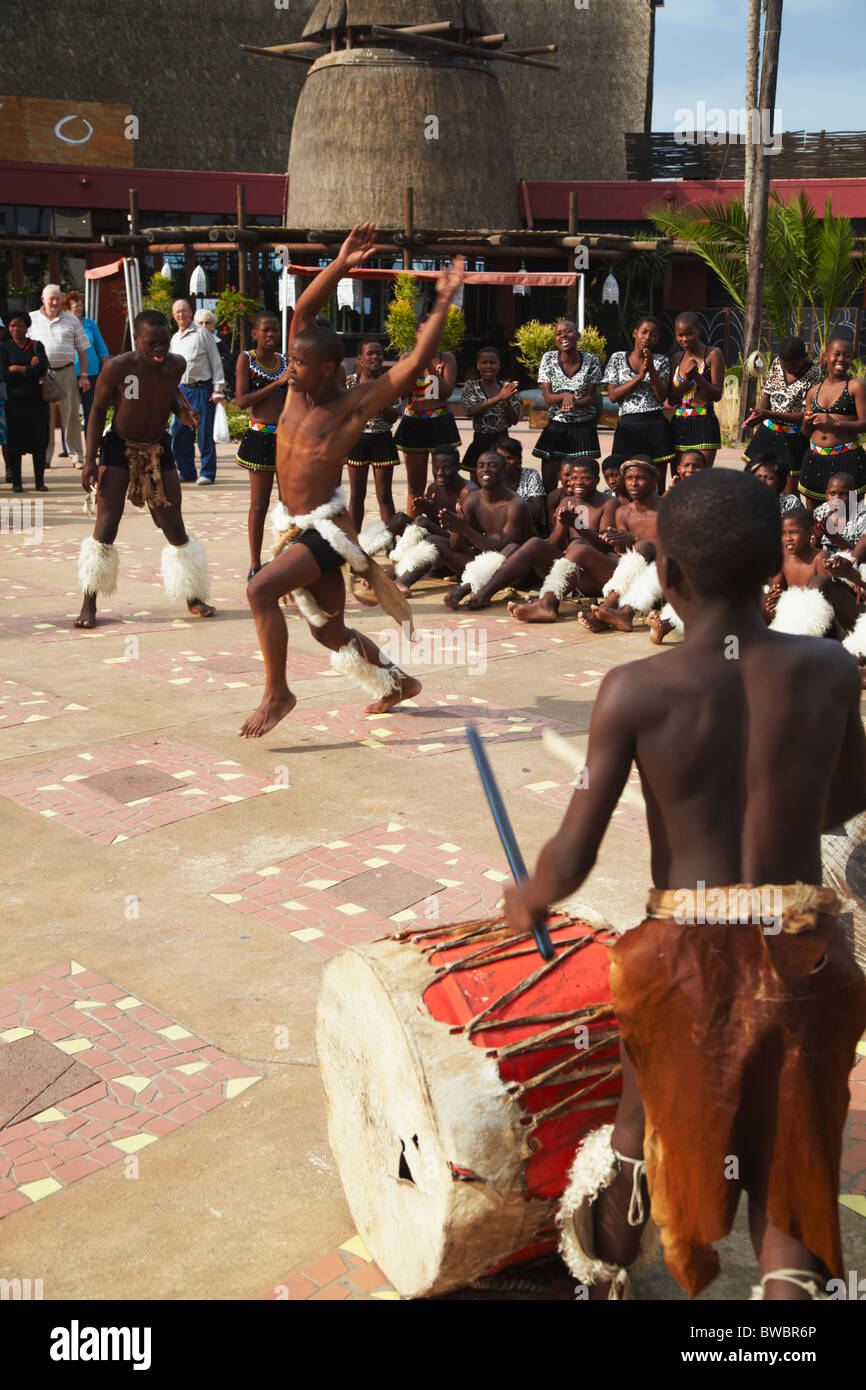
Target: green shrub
533	339
239	420
402	326
160	295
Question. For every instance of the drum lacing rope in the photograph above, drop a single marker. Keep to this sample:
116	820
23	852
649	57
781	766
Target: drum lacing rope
637	1212
804	1279
529	983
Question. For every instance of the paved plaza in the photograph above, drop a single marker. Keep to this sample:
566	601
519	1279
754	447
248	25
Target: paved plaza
173	894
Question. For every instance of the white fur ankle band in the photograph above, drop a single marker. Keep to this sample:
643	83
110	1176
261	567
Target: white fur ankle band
417	557
855	642
644	593
481	570
97	567
558	581
377	681
412	536
803	613
184	572
375	539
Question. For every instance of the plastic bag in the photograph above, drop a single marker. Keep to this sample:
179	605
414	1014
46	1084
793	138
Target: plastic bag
221	425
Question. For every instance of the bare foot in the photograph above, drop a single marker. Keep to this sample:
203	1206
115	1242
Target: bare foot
620	619
407	688
402	587
590	623
537	612
269	713
453	599
476	601
658	628
87	616
200	609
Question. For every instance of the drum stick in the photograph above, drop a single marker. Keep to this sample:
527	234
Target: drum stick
505	831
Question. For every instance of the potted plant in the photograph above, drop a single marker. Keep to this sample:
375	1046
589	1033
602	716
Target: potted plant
401	323
232	309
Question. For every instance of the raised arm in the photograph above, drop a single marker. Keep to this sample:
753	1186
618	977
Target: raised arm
397	381
565	861
356	249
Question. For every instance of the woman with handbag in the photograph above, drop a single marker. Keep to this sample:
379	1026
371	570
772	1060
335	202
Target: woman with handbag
23	368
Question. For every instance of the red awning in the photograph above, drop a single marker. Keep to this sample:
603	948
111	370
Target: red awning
98	271
472	277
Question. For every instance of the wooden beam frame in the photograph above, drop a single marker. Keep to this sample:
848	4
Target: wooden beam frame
381	32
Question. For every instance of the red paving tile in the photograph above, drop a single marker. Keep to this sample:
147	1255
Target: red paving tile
332	1294
324	1270
367	1277
85	1141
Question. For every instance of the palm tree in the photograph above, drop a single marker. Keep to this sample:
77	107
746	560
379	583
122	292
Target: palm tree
809	263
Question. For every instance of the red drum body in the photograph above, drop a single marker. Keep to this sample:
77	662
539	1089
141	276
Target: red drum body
462	1071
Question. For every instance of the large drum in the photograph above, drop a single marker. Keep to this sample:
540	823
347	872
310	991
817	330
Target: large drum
461	1072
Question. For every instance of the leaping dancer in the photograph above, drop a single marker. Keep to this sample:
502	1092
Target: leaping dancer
316	431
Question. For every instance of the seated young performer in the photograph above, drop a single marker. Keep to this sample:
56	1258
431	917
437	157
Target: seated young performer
135	460
375	445
524	482
593	565
611	471
771	471
841	520
834	417
806	597
493	521
581	514
778	417
492	405
637	384
414	553
738	999
318	426
697	382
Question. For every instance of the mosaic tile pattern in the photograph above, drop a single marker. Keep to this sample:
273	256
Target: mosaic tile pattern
347	1273
236	668
503	636
111	621
21	705
153	1076
13	590
588	679
201	782
629	813
355	889
431	724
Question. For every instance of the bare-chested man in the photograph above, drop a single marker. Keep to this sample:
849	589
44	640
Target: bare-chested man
738	999
135	460
631	584
811	590
494	521
583	511
319	424
415	554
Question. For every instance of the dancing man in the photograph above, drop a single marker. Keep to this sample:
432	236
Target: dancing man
318	426
136	461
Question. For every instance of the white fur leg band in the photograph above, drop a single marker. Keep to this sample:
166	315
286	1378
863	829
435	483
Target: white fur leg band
558	581
481	570
417	557
855	642
803	613
375	539
670	615
644	593
97	567
308	608
629	568
594	1168
184	572
412	536
377	681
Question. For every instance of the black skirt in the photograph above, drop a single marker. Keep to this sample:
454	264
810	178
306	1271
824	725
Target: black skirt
27	425
644	432
818	469
258	452
789	449
696	432
481	444
418	434
377	448
561	440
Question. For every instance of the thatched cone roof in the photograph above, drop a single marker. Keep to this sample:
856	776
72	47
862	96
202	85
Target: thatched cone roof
336	14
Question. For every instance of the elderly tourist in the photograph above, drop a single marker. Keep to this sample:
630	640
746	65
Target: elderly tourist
203	384
63	337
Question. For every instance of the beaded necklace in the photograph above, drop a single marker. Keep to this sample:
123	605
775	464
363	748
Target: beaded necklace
271	376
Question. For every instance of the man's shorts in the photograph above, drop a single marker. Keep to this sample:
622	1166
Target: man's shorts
113	453
324	554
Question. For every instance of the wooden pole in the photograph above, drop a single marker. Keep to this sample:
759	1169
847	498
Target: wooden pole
409	219
531	52
243	281
272	53
758	215
382	32
571	295
753	48
488	40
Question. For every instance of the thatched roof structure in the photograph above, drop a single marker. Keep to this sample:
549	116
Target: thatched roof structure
472	15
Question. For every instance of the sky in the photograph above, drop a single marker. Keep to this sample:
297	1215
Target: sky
701	56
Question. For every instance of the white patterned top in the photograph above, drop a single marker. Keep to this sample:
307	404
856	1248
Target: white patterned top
643	398
587	374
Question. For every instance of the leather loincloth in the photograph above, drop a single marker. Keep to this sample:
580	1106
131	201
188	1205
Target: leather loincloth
742	1039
